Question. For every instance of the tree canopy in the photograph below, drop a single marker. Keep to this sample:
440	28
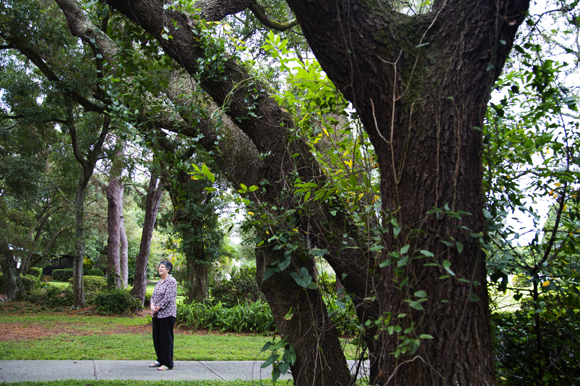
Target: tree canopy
367	143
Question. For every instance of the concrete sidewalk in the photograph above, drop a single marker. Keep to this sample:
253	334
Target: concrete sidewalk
23	370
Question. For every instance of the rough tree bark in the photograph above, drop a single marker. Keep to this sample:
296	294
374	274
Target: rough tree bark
154	194
420	86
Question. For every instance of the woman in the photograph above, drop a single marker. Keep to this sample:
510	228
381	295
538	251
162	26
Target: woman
163	311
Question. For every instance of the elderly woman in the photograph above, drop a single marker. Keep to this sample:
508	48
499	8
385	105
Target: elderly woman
163	311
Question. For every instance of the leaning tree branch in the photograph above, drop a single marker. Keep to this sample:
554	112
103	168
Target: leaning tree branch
260	12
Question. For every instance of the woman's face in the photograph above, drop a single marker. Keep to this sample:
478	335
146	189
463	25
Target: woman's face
162	270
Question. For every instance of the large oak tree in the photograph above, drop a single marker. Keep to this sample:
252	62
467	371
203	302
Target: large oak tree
420	85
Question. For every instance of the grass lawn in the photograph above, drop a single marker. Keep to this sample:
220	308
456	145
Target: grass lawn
28	334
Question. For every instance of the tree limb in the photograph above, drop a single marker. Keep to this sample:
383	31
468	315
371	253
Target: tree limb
260	12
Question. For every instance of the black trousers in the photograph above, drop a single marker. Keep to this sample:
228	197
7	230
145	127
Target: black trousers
163	340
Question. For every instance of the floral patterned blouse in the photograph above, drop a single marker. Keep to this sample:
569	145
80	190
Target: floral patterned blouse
164	296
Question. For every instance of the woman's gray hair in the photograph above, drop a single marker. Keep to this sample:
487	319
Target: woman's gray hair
167	265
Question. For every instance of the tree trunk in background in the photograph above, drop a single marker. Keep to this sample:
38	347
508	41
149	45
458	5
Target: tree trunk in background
13	287
154	194
114	213
115	218
124	255
78	288
197	278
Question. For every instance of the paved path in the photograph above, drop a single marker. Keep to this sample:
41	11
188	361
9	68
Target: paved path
23	370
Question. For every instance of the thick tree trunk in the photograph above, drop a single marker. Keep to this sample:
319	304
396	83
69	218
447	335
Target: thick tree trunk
302	319
12	283
154	194
420	85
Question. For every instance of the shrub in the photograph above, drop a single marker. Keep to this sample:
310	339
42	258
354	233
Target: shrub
62	274
94	284
518	359
243	317
240	287
95	272
116	301
28	281
35	271
58	297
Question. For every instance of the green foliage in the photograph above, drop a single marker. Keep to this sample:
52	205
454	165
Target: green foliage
35	271
117	301
279	366
63	275
94	284
53	297
242	317
518	357
95	272
240	287
28	281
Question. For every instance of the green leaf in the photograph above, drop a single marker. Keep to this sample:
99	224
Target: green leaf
416	305
414	346
396	231
474	298
405	249
446	265
268	272
459	246
425	336
402	262
421	294
385	263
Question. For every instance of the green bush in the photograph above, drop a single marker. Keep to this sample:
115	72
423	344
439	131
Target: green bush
58	297
53	296
35	271
95	272
520	361
240	287
94	284
243	317
117	301
62	274
28	281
